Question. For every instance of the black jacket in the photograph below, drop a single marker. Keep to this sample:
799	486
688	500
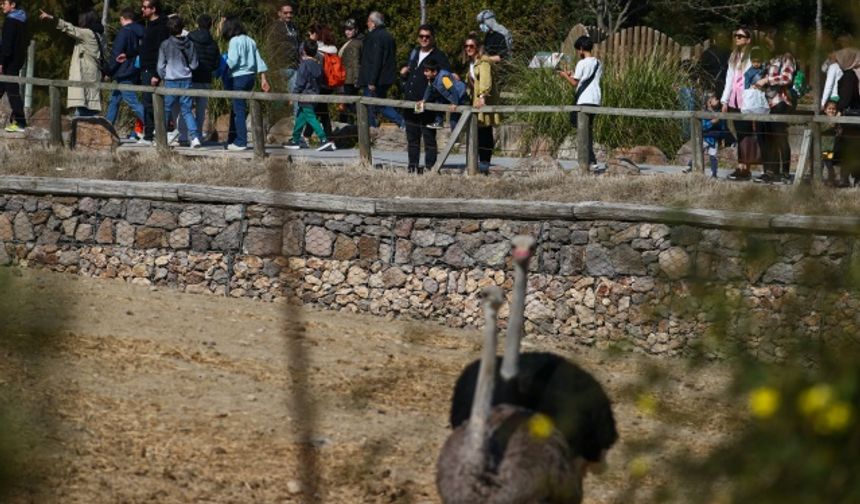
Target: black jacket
378	59
13	47
154	33
208	56
127	41
415	83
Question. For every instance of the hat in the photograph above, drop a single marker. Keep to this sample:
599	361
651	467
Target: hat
349	24
485	15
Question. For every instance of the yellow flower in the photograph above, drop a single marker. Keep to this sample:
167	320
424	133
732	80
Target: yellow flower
640	466
541	426
815	399
763	402
647	403
836	418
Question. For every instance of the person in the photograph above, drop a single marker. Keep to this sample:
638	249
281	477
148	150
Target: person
415	85
484	91
13	54
154	33
777	84
127	43
845	81
732	101
286	41
350	54
244	63
308	79
714	63
442	85
754	100
378	68
208	59
177	59
324	38
830	136
714	131
498	41
586	79
84	65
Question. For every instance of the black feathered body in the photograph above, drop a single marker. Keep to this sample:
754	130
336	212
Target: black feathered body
552	385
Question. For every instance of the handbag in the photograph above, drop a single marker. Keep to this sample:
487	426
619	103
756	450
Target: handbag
749	150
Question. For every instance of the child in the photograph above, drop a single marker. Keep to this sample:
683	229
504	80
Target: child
176	59
308	82
830	134
442	84
753	99
714	131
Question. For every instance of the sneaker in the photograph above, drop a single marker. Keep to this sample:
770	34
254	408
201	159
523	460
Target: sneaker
234	147
144	142
172	137
292	145
436	125
327	147
739	175
196	143
14	128
688	169
765	178
787	178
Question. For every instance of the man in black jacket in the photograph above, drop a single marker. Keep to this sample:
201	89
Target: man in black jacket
414	86
208	58
126	45
155	32
13	47
378	66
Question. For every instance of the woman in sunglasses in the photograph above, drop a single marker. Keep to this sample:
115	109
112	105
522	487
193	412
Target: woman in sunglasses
732	100
485	91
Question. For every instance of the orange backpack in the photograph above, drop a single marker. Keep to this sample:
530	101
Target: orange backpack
333	70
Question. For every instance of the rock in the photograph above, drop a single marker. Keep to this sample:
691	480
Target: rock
643	154
779	273
294	238
597	262
294	487
621	167
88	205
125	234
430	286
161	219
455	256
493	254
393	277
368	248
282	131
685	235
229	238
232	213
539	164
23	228
627	261
5	259
93	133
424	237
84	232
69	226
403	251
263	241
344	248
113	209
62	211
403	227
675	263
319	241
179	238
147	238
137	211
190	217
6	231
356	276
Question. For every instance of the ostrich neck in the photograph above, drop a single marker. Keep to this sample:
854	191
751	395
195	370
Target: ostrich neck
516	324
476	430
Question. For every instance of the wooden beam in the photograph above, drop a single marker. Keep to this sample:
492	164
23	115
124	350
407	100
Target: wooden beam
56	121
455	134
362	115
697	138
583	141
803	157
258	129
160	125
472	146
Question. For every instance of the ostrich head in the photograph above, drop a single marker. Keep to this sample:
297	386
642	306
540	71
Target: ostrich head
522	249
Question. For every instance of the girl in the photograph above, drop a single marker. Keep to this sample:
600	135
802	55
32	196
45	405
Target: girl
732	101
484	91
243	64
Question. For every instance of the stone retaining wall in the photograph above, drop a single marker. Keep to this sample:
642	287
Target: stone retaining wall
638	284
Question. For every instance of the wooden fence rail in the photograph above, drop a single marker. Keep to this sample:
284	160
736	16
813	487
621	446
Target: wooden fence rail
468	121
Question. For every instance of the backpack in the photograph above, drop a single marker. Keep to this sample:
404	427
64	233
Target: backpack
105	65
333	70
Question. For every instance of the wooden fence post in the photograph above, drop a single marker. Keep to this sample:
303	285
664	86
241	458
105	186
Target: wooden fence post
817	161
472	146
258	129
56	123
362	116
583	141
698	139
160	125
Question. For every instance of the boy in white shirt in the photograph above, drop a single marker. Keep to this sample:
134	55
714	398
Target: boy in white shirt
586	79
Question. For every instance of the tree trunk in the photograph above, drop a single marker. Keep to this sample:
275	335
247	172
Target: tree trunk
423	11
105	11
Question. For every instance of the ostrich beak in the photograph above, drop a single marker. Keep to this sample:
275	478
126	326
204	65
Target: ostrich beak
523	247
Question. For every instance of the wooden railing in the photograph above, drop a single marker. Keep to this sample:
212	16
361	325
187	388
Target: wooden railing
468	118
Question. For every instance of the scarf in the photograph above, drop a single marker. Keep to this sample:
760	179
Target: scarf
488	17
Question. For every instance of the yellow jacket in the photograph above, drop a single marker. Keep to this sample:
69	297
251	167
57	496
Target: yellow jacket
483	84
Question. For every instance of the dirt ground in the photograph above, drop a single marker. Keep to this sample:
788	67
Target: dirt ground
151	395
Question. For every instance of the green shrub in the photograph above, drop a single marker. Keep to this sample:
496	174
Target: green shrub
541	86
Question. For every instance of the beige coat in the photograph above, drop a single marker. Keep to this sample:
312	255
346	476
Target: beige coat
483	84
83	67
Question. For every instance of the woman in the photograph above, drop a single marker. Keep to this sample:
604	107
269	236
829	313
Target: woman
843	79
243	64
350	54
777	84
323	36
732	101
85	61
484	91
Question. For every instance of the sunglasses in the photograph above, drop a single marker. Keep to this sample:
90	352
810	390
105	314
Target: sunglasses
741	36
425	37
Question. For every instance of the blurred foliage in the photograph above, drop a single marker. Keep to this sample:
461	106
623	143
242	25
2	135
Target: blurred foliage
541	86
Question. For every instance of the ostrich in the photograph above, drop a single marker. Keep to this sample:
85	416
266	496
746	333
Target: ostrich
544	382
503	454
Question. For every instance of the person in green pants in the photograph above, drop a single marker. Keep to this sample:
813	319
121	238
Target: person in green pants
308	82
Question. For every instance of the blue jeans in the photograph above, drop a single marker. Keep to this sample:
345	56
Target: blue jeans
129	97
200	103
240	108
185	104
387	112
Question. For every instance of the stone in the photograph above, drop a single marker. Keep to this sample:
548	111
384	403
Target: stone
368	248
293	238
621	167
84	232
190	217
625	236
571	260
685	236
319	241
179	238
23	228
262	241
112	208
280	133
430	286
403	227
48	238
455	256
148	237
493	254
137	211
393	277
5	258
200	241
6	231
229	238
541	163
424	237
403	251
125	234
233	213
779	273
626	261
104	234
344	248
69	226
162	219
356	276
597	262
675	263
643	154
62	211
93	133
88	205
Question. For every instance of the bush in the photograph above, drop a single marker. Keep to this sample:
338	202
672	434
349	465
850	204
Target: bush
541	86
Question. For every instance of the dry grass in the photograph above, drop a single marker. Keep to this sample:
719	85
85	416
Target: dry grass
679	191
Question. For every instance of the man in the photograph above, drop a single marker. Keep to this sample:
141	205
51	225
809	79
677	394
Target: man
414	87
125	48
208	59
586	79
378	66
155	32
13	53
285	40
498	41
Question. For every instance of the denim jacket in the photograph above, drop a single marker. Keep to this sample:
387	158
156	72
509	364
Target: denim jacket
446	86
